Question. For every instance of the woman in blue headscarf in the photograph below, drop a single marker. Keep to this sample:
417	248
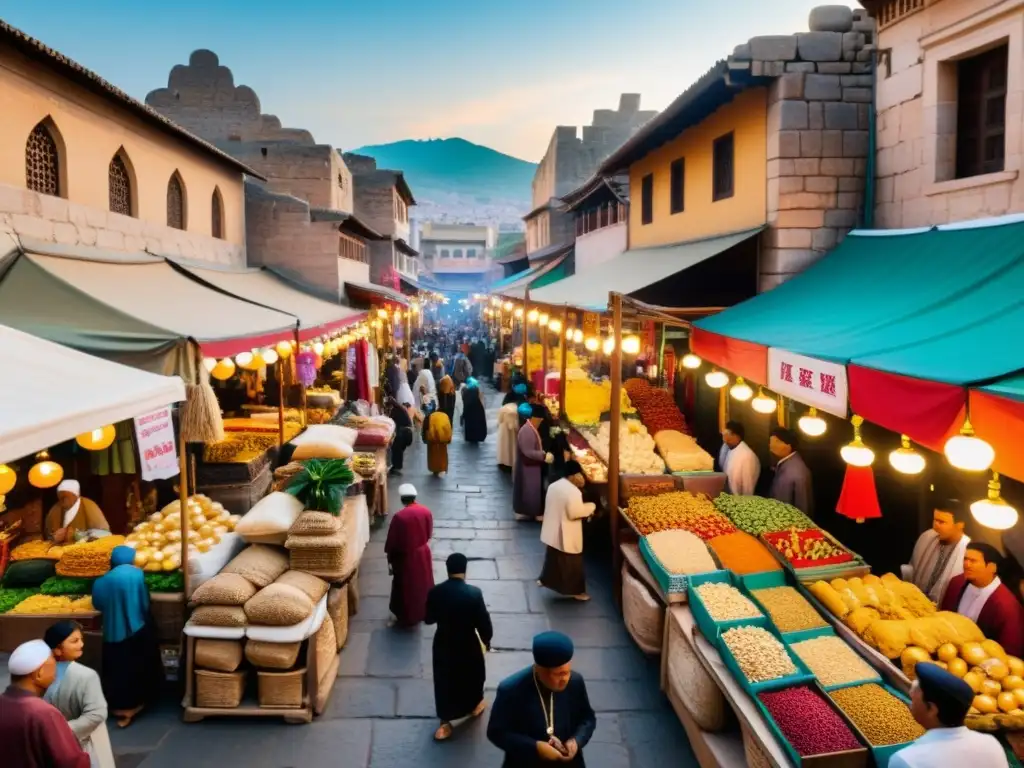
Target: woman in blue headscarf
132	669
518	393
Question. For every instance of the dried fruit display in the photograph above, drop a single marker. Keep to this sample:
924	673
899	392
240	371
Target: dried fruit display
808	549
636	447
157	541
679	510
39	605
808	722
757	515
88	559
36	550
758	653
657	407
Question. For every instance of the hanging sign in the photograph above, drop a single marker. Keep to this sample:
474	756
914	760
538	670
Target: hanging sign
809	381
591	324
154	433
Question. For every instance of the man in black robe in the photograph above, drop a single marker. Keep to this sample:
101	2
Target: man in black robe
463	632
542	714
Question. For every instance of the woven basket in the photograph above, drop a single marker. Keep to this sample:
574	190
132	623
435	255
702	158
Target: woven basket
283	475
281	689
325	644
643	615
267	655
218	655
315	524
687	678
219	690
337	611
756	758
326	559
353	594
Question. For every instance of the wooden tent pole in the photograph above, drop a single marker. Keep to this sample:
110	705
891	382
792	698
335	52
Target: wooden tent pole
613	445
408	339
563	363
183	502
543	331
526	334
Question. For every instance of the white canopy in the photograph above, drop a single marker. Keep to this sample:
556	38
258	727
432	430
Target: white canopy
50	393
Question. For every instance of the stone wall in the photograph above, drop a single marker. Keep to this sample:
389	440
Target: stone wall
55	220
820	101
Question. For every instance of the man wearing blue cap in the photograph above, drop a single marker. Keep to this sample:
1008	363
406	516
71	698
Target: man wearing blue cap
542	714
939	701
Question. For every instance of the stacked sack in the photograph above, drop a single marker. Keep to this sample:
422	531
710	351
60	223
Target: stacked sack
316	545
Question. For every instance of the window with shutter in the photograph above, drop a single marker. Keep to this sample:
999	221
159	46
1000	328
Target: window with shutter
981	113
120	184
42	162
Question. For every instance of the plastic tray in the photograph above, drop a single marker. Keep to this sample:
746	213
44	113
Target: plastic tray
845	557
803	675
708	626
828	631
670	583
882	755
768	579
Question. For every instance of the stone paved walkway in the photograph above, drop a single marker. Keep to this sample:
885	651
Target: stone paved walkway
381	713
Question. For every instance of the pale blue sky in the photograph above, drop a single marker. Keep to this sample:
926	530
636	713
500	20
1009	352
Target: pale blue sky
358	72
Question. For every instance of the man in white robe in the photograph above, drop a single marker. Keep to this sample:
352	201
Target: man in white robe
939	552
739	462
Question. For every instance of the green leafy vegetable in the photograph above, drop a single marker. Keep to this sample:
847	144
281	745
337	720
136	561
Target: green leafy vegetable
321	484
172	581
66	585
10	597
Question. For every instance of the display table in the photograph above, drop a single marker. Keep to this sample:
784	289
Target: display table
376	486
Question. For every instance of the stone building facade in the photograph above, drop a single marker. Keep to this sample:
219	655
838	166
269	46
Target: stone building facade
950	110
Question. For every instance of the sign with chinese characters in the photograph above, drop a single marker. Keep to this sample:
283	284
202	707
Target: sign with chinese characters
154	433
808	380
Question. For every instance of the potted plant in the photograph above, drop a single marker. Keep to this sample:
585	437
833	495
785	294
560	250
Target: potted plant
321	484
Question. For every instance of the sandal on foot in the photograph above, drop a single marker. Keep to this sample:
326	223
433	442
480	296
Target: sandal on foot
444	732
582	598
480	709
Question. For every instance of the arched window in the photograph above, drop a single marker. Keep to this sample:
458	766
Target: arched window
175	202
217	215
42	161
119	180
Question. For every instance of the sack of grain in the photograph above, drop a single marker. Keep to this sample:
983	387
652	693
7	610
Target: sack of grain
224	589
269	519
690	682
323	556
279	605
266	655
219	616
315	524
311	585
260	564
218	655
337	612
643	614
325	644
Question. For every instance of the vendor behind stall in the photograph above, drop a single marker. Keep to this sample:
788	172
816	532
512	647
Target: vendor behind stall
939	553
979	595
73	516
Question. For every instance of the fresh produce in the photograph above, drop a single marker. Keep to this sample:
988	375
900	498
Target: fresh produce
859	602
586	400
88	559
758	653
36	550
680	552
365	464
832	661
788	609
243	447
636	447
880	716
165	582
657	408
39	605
808	549
742	553
681	452
11	596
157	541
808	722
321	484
593	468
678	510
66	585
726	603
757	515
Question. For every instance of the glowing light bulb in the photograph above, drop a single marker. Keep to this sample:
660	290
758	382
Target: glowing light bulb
609	345
968	452
855	452
508	306
741	390
533	315
691	361
631	345
716	379
544	318
269	356
591	344
209	363
764	404
905	459
555	326
812	424
577	336
993	511
243	359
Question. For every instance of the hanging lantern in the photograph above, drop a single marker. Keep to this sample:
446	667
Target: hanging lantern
905	459
224	370
741	390
45	473
318	348
415	309
243	359
269	356
543	318
283	349
382	314
609	345
495	301
855	452
631	345
555	326
968	452
533	315
209	363
591	344
305	368
8	477
97	439
993	511
398	315
858	498
519	313
577	337
691	361
508	306
716	379
762	403
812	424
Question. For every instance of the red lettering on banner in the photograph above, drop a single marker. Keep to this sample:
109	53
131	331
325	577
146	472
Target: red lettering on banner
159	450
787	372
806	378
828	384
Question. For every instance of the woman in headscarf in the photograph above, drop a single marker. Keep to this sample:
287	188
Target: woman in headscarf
508	428
518	393
528	479
132	669
437	434
446	397
426	388
474	418
562	532
394	375
78	694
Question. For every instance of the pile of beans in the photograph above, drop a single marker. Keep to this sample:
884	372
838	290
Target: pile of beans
880	716
758	653
808	722
757	515
725	602
832	661
789	610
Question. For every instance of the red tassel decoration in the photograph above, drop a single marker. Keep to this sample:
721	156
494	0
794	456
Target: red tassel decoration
859	497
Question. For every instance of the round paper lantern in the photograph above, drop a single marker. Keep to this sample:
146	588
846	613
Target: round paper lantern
631	345
812	424
244	359
533	315
967	451
283	349
8	477
716	379
45	473
543	318
855	452
762	403
209	363
741	390
691	361
993	511
519	313
592	344
577	337
905	459
568	334
508	306
97	439
609	345
318	348
269	356
224	370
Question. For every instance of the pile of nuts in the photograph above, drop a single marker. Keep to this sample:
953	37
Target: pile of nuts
726	603
678	509
832	661
789	610
757	515
758	653
808	722
880	716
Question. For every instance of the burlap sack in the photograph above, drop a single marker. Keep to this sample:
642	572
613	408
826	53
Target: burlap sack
283	475
325	644
260	564
315	541
643	615
315	524
219	616
279	605
353	594
266	655
337	612
218	655
312	585
224	589
692	684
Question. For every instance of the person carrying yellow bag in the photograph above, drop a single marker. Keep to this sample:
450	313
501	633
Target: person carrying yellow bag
437	433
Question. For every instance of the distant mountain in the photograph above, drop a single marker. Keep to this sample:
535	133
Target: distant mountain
456	180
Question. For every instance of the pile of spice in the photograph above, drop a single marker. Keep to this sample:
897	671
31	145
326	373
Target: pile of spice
742	553
832	661
808	722
758	653
788	609
726	603
880	716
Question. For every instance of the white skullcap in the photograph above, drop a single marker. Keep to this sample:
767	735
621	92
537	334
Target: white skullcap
406	489
73	486
28	657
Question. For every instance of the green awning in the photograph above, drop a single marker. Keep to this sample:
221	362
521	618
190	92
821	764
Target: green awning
553	275
1012	388
507	281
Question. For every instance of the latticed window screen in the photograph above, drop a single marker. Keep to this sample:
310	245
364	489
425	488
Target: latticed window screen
120	187
42	162
175	203
216	212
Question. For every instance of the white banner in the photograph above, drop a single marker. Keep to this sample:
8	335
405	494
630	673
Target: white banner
809	381
154	433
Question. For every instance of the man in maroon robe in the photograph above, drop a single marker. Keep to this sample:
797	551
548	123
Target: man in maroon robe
979	595
33	733
408	551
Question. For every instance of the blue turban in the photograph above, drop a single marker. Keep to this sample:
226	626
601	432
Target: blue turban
945	690
525	410
520	389
552	649
472	383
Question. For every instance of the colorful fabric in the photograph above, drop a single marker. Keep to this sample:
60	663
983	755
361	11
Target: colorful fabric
121	596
